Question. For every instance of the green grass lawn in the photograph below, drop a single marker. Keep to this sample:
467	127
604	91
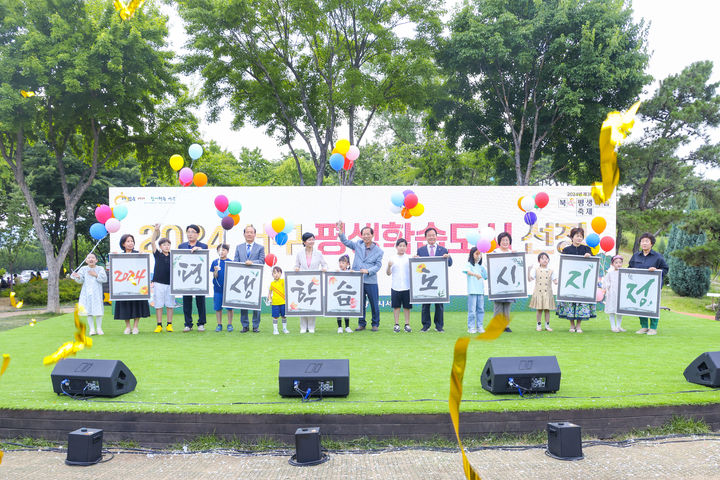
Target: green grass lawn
389	372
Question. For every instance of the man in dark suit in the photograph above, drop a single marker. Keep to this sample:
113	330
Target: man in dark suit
433	250
250	252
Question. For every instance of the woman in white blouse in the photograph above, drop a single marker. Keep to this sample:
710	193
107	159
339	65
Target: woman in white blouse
309	259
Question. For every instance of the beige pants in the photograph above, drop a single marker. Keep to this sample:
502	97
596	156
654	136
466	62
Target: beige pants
307	324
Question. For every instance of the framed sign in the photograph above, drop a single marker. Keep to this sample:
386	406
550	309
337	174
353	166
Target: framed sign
303	293
242	287
506	276
639	292
129	276
343	294
189	272
578	278
429	280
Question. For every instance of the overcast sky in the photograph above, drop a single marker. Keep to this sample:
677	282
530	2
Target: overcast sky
680	33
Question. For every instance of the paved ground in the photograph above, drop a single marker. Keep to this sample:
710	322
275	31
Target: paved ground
684	458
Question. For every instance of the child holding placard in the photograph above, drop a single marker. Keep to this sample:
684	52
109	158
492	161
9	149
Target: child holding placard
217	267
162	298
611	284
344	266
476	273
91	295
542	299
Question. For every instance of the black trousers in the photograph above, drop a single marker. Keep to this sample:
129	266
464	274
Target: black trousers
187	309
425	316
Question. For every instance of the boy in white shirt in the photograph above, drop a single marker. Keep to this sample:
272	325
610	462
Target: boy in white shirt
399	268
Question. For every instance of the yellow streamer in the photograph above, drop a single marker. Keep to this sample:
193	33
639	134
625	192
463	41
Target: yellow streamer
127	11
5	363
494	330
1	455
27	94
615	129
71	348
14	302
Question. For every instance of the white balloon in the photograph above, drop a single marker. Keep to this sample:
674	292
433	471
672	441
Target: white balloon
395	209
487	233
527	203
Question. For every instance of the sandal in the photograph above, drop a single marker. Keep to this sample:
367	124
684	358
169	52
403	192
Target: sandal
578	330
572	330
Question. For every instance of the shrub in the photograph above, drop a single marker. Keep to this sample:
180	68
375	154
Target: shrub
35	292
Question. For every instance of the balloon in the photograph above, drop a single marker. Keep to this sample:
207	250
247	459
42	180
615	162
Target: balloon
112	225
483	245
592	240
98	231
221	203
236	218
607	243
410	200
527	203
270	260
595	250
520	203
269	230
102	213
405	213
353	153
289	227
342	146
222	214
234	207
195	151
493	245
337	161
487	233
396	209
599	295
397	199
200	179
541	200
120	211
407	192
417	210
473	238
186	175
176	162
530	218
335	150
183	184
348	164
227	222
278	224
281	238
598	224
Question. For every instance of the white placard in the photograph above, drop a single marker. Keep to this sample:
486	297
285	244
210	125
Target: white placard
129	276
303	293
506	276
639	292
189	272
578	279
429	280
343	294
242	286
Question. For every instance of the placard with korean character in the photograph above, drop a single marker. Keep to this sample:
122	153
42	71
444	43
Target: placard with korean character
578	279
429	280
343	294
639	292
189	272
303	293
242	286
506	276
129	276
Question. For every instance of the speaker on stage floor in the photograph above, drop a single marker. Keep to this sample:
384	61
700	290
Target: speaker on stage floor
704	370
84	376
323	378
521	374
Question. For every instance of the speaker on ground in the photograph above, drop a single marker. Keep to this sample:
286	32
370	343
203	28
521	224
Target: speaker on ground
704	370
84	376
521	375
324	378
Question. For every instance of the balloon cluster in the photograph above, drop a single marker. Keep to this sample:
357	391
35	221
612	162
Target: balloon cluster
186	176
278	230
528	203
406	204
484	240
594	241
228	211
108	220
344	155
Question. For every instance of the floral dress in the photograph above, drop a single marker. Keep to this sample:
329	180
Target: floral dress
573	310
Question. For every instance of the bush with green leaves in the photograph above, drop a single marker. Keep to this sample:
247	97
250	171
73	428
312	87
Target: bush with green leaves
686	280
35	292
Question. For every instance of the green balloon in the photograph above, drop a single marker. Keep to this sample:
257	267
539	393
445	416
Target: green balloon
234	207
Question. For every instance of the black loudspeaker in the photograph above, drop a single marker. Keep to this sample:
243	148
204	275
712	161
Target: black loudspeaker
564	441
307	445
84	376
704	370
326	378
84	446
521	374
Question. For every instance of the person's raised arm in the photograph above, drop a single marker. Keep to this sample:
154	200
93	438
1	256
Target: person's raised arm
155	236
341	235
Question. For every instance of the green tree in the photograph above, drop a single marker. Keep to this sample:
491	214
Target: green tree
301	68
529	79
686	280
104	89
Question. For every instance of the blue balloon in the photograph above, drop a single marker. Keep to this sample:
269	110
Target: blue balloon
98	231
592	240
530	218
473	238
397	199
195	151
337	161
222	214
289	227
281	238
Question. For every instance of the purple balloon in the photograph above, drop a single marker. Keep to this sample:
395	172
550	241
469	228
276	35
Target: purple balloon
227	222
483	245
407	192
530	218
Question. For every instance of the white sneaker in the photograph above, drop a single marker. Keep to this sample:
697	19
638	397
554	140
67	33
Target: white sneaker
472	331
348	330
311	330
285	330
187	329
275	331
127	331
481	330
92	332
100	332
135	331
340	329
201	328
302	330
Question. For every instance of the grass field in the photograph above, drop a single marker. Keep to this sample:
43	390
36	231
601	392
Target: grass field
389	372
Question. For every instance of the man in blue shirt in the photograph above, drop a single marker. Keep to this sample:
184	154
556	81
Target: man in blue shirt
368	260
192	231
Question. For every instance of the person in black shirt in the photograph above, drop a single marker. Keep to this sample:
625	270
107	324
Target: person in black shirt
649	259
162	298
573	311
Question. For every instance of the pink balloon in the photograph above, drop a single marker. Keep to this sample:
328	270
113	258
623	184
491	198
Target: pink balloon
221	203
186	175
112	225
599	295
269	230
102	213
353	153
483	245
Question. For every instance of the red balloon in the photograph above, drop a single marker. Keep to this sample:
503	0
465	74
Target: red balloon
348	164
221	202
607	243
542	199
270	260
410	201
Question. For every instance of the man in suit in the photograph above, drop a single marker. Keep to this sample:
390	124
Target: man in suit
192	244
433	250
250	252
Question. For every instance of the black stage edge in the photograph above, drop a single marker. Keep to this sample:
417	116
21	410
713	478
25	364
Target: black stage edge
163	429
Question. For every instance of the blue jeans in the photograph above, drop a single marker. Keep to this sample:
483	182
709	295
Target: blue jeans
371	294
255	318
476	311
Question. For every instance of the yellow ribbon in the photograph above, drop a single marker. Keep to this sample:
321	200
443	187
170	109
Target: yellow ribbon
1	455
27	94
494	329
127	11
5	363
14	302
615	129
71	348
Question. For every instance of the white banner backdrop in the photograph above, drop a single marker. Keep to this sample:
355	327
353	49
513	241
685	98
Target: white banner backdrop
454	211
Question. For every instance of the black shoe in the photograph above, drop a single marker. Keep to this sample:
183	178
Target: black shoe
440	330
507	329
424	329
245	330
256	330
359	329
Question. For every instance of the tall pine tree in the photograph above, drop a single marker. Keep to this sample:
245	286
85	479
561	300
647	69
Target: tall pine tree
686	280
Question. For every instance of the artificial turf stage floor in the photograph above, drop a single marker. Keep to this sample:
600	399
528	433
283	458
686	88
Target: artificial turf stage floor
390	372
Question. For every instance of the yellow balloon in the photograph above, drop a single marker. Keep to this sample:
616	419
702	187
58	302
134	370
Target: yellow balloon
417	210
176	162
595	250
342	146
278	224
